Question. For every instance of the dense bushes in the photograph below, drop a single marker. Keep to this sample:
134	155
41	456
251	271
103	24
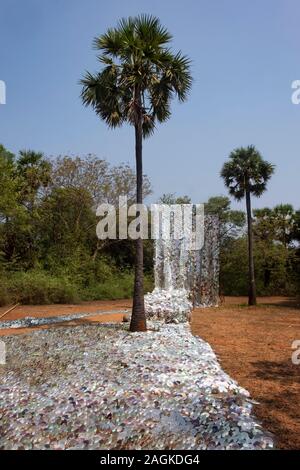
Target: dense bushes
40	287
36	287
118	287
277	268
4	294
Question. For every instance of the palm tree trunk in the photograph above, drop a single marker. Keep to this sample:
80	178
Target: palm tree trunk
252	287
138	318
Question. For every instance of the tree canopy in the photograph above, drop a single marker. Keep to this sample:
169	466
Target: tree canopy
137	64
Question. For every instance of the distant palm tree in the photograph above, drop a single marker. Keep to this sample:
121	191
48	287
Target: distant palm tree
140	76
244	174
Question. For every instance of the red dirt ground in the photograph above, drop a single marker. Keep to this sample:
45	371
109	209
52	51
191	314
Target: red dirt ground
253	344
66	309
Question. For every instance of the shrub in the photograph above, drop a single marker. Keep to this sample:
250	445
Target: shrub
4	294
117	286
35	287
38	287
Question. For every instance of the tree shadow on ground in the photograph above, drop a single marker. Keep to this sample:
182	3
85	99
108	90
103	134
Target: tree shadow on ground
288	303
280	413
284	372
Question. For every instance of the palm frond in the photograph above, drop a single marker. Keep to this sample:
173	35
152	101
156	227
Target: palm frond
246	171
148	125
136	60
103	94
160	94
150	31
110	43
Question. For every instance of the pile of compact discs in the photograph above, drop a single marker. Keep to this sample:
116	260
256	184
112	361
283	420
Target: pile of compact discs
101	387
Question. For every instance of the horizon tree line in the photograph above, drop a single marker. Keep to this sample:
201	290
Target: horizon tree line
47	234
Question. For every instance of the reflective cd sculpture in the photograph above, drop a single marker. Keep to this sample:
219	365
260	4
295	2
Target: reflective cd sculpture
184	277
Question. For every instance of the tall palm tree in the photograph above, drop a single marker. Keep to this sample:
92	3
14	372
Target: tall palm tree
244	174
139	77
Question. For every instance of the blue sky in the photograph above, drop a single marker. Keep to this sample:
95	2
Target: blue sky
245	56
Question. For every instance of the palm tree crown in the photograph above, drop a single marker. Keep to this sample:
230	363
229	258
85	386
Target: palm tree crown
246	171
140	74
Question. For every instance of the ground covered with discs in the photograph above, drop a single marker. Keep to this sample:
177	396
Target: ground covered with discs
101	387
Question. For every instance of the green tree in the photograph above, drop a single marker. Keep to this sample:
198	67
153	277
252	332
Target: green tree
67	223
231	221
171	198
274	233
8	183
296	230
234	266
284	216
103	181
34	173
26	178
246	174
140	76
